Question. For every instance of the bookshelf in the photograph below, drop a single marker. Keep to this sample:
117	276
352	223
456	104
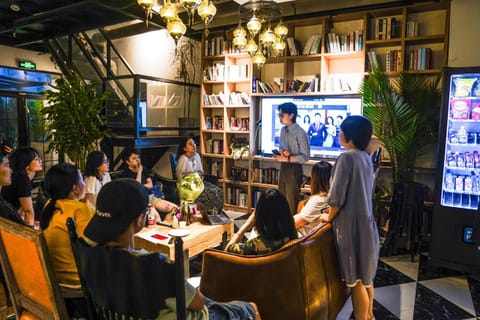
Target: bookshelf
325	56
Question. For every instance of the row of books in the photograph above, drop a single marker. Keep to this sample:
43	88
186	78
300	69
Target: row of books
336	43
298	85
266	175
267	87
393	60
232	98
218	46
214	146
313	44
216	168
420	59
342	83
387	28
241	124
236	196
220	72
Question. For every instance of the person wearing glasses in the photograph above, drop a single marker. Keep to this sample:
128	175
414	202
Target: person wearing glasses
294	151
25	162
96	175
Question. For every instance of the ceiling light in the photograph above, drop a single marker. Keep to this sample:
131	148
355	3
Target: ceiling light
256	13
169	12
147	5
259	59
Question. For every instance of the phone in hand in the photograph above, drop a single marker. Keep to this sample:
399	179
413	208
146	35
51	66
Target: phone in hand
276	152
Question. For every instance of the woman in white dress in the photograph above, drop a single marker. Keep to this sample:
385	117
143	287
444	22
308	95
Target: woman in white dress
331	132
96	175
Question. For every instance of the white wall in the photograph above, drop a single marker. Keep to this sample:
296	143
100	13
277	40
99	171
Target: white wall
9	57
464	46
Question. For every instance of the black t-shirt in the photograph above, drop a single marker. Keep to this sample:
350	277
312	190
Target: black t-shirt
9	212
127	173
21	187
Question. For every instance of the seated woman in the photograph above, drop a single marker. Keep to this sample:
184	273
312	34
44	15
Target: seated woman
273	223
25	162
6	208
96	175
309	217
65	187
189	161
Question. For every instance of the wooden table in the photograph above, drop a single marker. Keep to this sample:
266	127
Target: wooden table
200	238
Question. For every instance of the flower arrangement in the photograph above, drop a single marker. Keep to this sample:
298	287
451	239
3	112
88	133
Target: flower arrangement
189	188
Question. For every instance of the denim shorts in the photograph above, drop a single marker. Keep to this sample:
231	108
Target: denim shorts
233	310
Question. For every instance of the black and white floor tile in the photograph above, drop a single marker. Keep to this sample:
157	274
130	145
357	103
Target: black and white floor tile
415	290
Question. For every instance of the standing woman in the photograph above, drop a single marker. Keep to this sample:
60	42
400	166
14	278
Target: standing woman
64	187
96	175
331	132
351	214
25	162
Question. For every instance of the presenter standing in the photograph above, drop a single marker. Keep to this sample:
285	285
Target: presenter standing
294	151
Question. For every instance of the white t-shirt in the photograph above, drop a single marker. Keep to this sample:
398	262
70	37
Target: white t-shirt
187	165
93	185
311	212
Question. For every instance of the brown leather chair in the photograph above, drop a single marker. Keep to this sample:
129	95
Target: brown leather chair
30	277
299	281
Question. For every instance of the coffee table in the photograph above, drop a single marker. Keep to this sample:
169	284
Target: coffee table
201	237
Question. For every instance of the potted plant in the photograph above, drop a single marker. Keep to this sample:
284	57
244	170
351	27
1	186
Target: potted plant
404	112
74	118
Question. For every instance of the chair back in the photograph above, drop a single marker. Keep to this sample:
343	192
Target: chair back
173	165
29	274
124	284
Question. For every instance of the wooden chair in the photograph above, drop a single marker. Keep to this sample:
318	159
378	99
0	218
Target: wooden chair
30	277
119	284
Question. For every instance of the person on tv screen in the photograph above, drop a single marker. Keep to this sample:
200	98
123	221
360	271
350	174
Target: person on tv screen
336	140
331	132
294	151
317	132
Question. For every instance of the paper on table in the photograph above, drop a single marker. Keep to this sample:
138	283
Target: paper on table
154	236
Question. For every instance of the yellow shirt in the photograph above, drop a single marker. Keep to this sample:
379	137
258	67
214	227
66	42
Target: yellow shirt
58	240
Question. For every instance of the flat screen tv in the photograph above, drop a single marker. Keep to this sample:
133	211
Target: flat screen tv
320	117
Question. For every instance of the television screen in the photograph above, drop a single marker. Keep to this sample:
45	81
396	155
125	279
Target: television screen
320	117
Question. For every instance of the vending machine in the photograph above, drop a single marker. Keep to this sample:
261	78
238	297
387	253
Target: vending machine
456	217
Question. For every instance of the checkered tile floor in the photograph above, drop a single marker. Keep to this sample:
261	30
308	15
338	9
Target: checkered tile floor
414	290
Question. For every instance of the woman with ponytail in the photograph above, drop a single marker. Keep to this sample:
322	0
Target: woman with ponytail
64	187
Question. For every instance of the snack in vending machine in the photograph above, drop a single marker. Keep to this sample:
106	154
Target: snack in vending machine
460	109
471	137
476	159
460	157
475	109
452	136
451	161
449	182
468	160
459	183
462	135
468	184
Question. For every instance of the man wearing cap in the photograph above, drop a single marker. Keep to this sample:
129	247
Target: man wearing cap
120	213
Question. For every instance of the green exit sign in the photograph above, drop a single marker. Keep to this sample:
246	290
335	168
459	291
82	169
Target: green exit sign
29	65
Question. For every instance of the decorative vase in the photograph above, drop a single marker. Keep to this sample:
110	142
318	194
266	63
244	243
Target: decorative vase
184	213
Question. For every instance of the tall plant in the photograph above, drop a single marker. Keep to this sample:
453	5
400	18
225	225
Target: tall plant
404	113
74	118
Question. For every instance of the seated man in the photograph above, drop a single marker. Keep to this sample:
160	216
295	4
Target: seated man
120	213
135	170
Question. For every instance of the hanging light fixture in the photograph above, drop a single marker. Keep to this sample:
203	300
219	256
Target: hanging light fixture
257	16
147	5
259	59
207	11
169	13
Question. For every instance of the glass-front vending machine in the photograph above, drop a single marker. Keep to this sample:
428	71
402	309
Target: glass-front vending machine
456	218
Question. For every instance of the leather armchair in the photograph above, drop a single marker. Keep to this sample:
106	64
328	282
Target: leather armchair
299	281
